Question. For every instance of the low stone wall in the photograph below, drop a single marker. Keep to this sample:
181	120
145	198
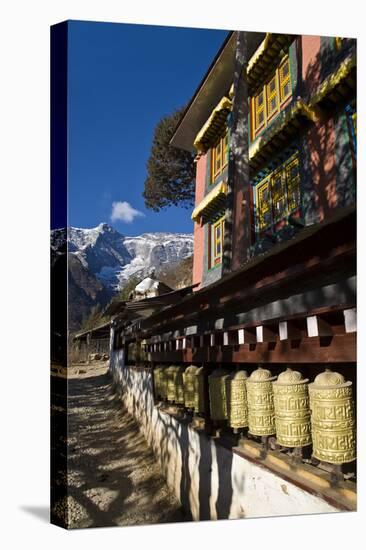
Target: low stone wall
211	481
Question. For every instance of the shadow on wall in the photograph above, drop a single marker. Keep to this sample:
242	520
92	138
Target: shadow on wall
329	169
198	468
215	483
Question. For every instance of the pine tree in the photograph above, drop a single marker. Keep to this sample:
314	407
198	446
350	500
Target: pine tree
170	171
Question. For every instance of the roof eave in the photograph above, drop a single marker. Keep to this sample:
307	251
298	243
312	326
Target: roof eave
214	85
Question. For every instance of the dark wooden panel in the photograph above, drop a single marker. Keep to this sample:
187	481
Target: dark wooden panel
339	348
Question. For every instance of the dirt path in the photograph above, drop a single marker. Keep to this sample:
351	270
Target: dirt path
113	477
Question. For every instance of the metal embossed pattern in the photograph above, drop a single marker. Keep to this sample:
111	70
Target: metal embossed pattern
170	391
163	382
178	384
190	387
292	414
217	391
333	422
261	415
237	403
200	391
157	388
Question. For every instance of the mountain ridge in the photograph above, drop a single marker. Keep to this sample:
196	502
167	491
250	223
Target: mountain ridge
102	261
113	258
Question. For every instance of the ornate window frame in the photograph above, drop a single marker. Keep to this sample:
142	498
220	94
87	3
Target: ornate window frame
216	242
219	156
270	99
278	194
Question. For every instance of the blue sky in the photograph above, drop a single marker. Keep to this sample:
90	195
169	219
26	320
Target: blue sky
122	80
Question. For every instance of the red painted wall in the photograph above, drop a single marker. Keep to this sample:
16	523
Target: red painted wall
199	231
321	143
310	46
320	137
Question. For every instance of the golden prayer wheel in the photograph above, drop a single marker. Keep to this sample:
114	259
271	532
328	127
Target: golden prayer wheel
193	380
292	410
200	406
237	403
189	383
170	386
261	416
217	392
163	382
179	387
332	418
175	384
157	390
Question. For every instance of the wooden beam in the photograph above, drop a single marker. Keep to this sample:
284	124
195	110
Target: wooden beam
339	348
288	331
350	319
245	336
310	252
316	326
264	334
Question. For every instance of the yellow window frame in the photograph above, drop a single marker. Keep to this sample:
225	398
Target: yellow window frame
278	194
281	81
218	240
293	183
260	109
285	79
272	94
263	205
219	156
288	192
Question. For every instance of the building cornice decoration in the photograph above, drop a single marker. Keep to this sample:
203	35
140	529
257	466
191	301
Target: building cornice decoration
338	82
286	124
266	58
212	201
214	126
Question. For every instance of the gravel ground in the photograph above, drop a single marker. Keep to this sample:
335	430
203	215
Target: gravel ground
112	477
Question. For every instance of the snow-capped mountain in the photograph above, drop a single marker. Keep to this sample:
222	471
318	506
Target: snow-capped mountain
113	258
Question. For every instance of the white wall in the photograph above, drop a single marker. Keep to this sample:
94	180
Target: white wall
211	481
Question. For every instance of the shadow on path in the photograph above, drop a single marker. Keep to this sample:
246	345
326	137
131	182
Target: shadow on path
112	478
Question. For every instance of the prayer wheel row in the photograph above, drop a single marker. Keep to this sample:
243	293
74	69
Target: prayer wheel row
181	386
299	413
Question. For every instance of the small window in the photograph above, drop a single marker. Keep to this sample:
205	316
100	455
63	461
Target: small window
293	183
217	241
259	110
278	188
270	99
272	96
264	206
220	156
278	194
285	83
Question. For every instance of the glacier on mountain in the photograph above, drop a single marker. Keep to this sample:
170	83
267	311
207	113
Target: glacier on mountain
113	258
